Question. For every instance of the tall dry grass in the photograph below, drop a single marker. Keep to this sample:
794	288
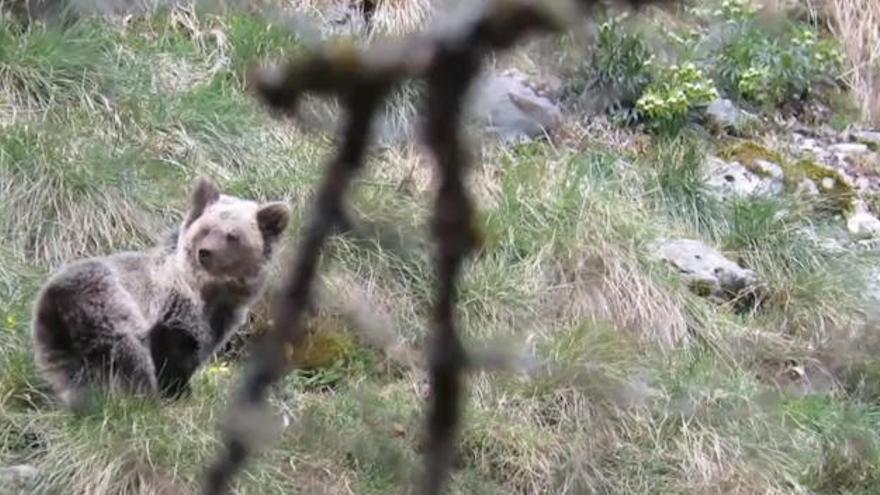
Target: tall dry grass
856	24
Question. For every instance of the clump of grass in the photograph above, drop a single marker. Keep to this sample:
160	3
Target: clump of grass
253	41
514	454
848	455
399	17
808	291
81	190
43	64
388	18
758	223
676	170
854	24
215	109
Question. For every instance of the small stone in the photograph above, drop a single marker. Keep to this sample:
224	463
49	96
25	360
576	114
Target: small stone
807	188
873	285
829	245
862	183
723	114
807	144
862	224
827	183
768	169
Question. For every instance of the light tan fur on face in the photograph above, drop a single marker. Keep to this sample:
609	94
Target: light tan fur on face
226	239
227	230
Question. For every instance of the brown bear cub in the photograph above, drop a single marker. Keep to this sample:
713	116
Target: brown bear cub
145	321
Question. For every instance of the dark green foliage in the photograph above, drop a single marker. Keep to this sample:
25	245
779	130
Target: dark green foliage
770	68
671	101
617	70
678	187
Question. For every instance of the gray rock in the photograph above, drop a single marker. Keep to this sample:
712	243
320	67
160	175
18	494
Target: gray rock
849	149
869	138
705	269
862	224
16	477
827	244
768	169
807	188
512	110
828	152
806	144
827	183
722	114
862	184
732	179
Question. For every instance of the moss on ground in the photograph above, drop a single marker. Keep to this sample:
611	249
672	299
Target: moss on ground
836	190
749	152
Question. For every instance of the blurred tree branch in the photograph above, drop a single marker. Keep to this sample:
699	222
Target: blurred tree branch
449	62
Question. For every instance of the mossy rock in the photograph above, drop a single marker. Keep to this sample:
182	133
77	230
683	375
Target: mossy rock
748	153
328	341
840	197
702	288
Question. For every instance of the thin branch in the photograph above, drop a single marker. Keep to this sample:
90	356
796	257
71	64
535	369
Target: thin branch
449	63
271	361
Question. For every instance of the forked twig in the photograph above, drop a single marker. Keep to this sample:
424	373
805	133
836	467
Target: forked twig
449	63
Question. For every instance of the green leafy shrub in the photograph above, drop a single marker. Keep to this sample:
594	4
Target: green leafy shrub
618	70
668	102
771	69
736	10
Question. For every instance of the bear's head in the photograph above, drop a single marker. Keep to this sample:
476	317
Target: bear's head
225	238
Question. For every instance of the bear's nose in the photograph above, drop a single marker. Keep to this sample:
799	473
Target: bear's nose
204	255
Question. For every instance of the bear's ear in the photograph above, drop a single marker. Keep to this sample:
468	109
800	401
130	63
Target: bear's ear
204	192
272	219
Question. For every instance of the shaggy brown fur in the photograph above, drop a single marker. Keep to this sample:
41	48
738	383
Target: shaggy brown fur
145	321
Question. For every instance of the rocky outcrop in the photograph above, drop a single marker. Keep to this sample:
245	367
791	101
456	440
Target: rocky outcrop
733	179
512	110
706	270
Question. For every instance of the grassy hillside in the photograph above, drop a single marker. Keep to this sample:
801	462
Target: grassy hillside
636	384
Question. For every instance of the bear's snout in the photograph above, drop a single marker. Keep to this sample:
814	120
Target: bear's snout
204	257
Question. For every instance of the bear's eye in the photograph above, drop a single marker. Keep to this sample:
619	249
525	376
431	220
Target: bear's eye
232	238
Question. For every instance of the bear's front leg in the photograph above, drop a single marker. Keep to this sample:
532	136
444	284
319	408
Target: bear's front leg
175	355
132	366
